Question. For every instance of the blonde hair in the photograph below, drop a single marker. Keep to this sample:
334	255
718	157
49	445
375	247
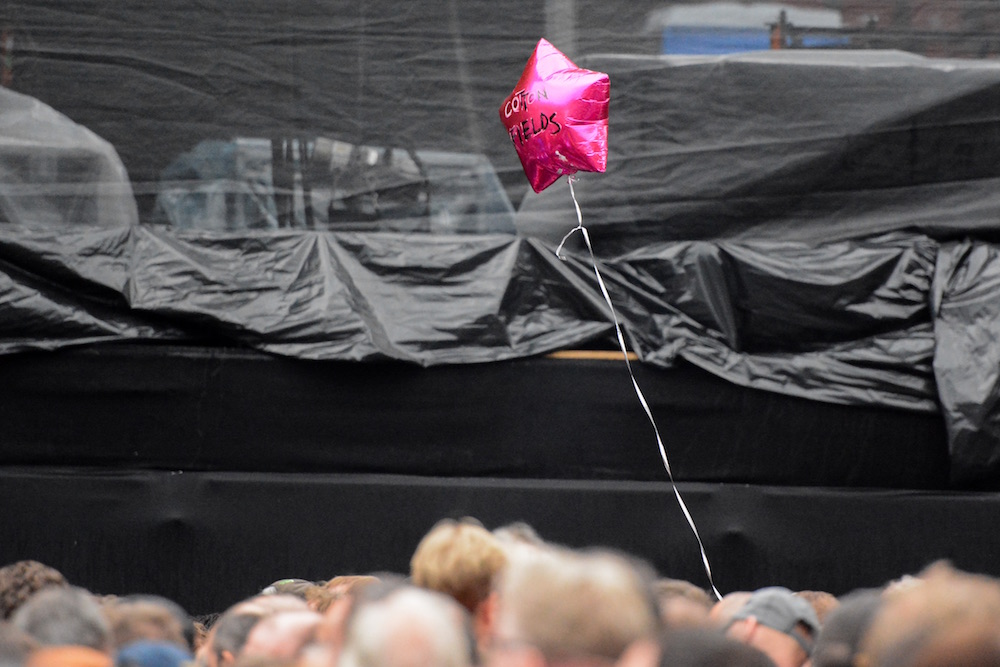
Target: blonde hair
460	559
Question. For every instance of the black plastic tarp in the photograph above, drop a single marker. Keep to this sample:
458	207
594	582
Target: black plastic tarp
782	317
758	314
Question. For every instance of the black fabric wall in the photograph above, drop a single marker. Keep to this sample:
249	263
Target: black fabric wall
203	474
188	408
209	539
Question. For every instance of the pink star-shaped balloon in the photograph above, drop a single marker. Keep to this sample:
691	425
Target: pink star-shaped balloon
557	117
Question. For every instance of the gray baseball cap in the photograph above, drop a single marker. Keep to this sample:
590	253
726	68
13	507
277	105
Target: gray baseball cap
782	610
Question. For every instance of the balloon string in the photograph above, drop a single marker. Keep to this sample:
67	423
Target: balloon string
635	384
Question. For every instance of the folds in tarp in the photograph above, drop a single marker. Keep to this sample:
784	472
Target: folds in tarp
847	322
320	185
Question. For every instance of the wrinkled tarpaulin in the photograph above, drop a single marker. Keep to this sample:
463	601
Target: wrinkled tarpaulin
789	221
847	322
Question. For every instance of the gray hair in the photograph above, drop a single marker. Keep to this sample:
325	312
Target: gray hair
411	627
576	605
64	616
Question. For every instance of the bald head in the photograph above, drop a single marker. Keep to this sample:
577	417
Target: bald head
411	627
282	635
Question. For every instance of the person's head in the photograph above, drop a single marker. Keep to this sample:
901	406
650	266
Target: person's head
320	598
915	623
840	637
202	629
69	656
136	620
282	635
188	628
227	637
64	616
976	644
722	611
20	580
561	607
152	654
682	604
229	633
460	559
270	603
822	603
15	645
703	647
409	627
297	587
518	532
777	622
315	594
350	584
343	591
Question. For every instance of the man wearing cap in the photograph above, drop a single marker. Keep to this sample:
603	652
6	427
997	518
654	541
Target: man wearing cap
778	623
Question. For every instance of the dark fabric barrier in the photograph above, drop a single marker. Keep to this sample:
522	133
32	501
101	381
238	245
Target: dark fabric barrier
208	539
190	408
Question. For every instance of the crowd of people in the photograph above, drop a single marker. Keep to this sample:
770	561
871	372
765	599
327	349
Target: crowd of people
506	598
